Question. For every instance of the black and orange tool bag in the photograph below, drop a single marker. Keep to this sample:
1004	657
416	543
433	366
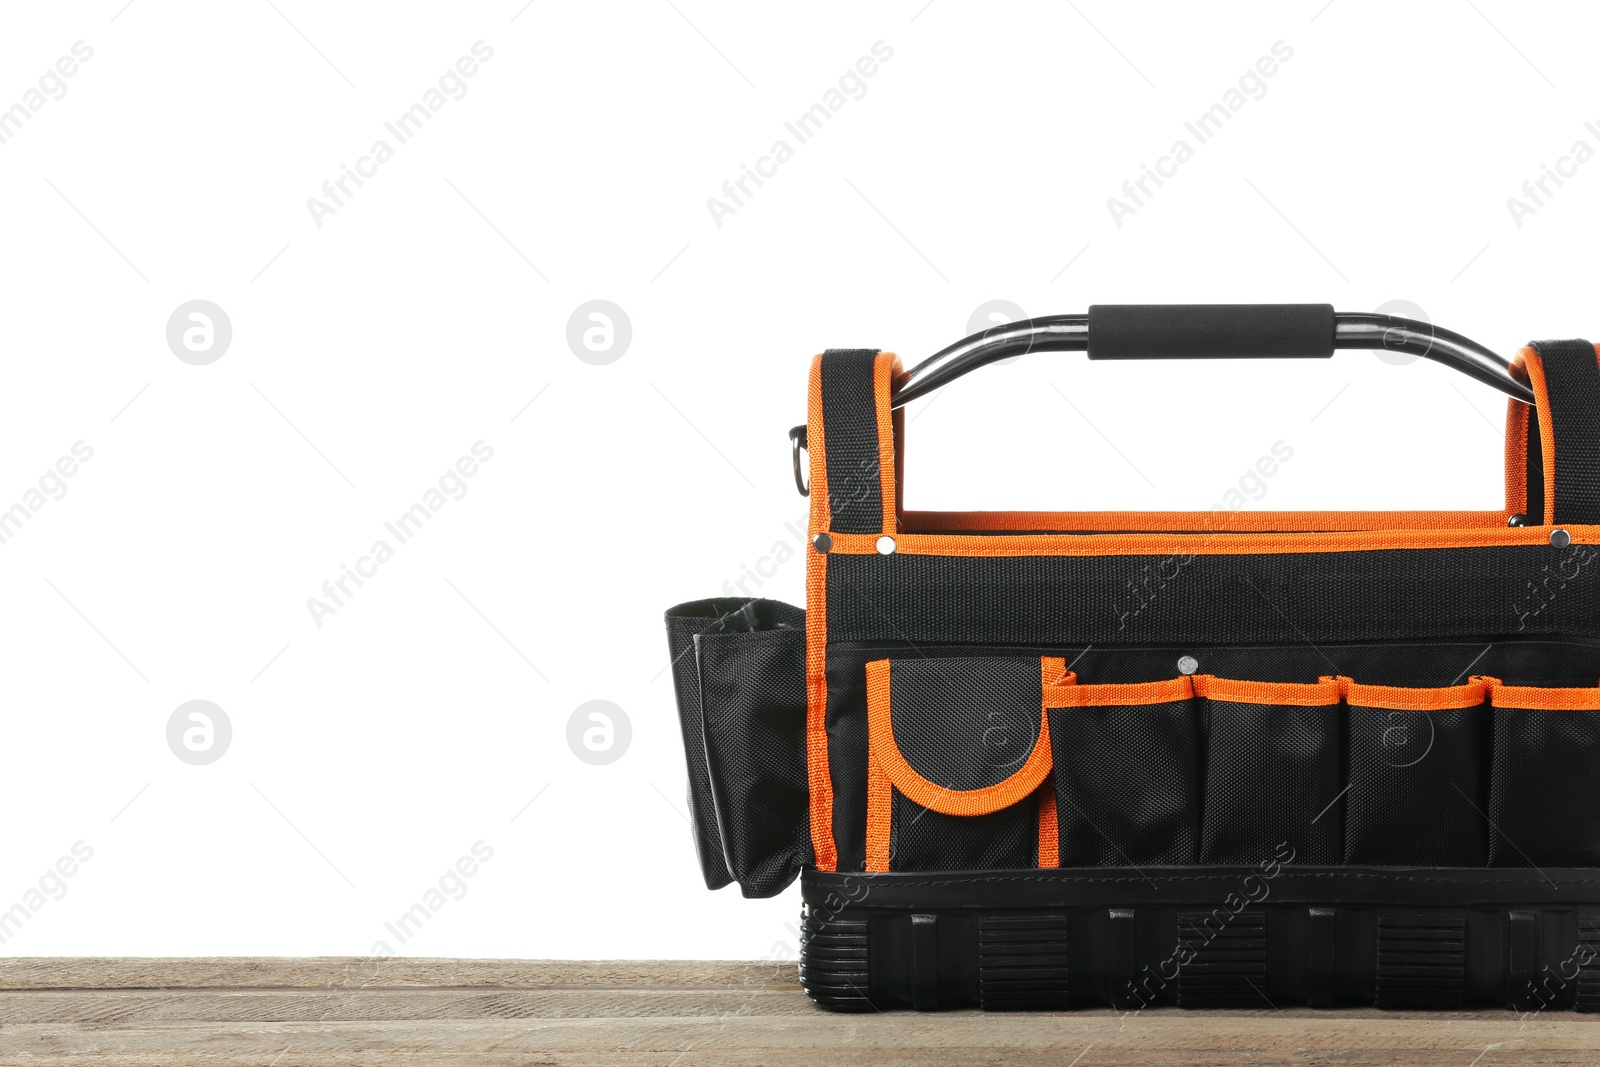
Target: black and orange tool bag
1233	759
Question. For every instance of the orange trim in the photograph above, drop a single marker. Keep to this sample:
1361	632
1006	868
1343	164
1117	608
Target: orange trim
880	795
1049	827
1051	669
882	748
1067	693
1244	544
1199	522
818	773
885	369
898	426
1406	698
880	816
1516	457
1538	698
1547	436
1301	694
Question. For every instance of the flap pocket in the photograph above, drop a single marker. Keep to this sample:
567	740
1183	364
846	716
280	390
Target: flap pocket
957	751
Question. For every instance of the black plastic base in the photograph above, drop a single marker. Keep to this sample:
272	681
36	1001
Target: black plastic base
1226	937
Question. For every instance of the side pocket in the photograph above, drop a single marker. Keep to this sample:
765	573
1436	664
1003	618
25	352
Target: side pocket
957	752
1415	759
1544	784
1273	765
1126	763
739	676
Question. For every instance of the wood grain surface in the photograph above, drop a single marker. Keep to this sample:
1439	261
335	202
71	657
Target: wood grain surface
337	1011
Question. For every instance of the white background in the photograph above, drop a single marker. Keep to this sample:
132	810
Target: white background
368	354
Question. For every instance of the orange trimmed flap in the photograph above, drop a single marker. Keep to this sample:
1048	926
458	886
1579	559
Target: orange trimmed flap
960	736
1299	694
1408	698
1540	698
1065	692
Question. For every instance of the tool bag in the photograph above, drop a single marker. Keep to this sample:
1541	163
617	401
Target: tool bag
1235	759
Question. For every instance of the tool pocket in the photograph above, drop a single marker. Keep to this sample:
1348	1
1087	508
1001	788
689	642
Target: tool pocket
1544	785
739	670
1272	770
1126	763
1415	760
957	752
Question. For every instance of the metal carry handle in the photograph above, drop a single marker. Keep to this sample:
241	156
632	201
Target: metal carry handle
1211	331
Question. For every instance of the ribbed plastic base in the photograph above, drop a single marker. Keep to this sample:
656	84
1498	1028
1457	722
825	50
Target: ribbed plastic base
1204	937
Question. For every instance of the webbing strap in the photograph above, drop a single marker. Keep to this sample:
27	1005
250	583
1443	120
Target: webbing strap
850	438
1571	410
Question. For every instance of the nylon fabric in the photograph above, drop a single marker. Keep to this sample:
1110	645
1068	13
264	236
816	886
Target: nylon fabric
1572	379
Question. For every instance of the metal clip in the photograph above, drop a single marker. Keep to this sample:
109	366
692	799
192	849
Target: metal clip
797	444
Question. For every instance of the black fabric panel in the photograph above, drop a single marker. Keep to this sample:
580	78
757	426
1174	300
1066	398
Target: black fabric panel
1544	789
1391	594
719	615
923	840
753	694
1417	792
1126	784
1524	661
1572	376
965	723
1534	661
1272	774
847	756
850	435
1546	764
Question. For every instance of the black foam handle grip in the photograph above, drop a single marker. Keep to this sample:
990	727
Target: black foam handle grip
1210	331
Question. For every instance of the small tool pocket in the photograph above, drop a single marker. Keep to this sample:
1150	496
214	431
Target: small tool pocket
1126	762
1273	766
1544	785
1415	761
957	753
739	670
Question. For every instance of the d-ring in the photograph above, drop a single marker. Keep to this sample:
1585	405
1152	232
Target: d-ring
797	444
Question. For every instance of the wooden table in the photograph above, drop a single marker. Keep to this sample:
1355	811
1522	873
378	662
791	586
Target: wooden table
335	1011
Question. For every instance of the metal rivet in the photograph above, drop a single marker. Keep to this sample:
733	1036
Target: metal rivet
885	545
822	542
1188	664
1560	538
1519	519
